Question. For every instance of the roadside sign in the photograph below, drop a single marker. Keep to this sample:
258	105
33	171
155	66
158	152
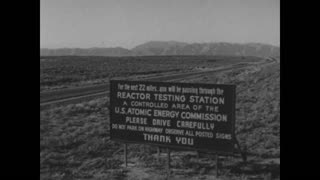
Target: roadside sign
182	115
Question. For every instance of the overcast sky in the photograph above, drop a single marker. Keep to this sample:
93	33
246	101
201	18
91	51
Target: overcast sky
127	23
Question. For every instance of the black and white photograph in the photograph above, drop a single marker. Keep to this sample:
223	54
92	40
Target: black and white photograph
160	89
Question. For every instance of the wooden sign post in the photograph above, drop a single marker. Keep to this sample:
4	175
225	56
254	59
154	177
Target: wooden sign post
217	164
168	162
158	152
125	155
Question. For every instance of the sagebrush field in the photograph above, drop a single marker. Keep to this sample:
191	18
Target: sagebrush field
74	139
67	71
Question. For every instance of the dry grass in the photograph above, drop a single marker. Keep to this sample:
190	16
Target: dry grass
74	141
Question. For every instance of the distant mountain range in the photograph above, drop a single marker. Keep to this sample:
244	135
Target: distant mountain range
169	48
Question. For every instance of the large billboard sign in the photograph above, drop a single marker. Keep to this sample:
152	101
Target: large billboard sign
185	115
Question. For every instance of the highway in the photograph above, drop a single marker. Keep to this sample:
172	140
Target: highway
72	95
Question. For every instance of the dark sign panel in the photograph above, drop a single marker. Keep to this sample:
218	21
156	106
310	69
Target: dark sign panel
193	116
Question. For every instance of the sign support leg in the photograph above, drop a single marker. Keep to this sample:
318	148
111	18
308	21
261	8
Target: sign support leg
158	152
217	163
268	177
168	161
242	152
125	155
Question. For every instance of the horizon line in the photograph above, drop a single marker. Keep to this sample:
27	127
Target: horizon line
217	42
